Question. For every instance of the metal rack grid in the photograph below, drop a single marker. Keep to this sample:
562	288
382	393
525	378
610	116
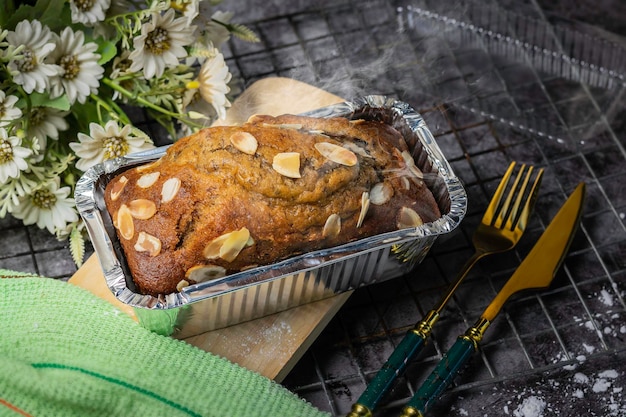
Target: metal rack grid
486	106
30	249
558	346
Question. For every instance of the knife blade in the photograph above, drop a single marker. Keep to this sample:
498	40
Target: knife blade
536	271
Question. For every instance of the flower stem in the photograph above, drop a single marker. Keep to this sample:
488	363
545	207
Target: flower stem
146	103
111	107
138	99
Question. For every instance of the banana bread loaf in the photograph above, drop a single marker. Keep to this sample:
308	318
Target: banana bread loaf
230	198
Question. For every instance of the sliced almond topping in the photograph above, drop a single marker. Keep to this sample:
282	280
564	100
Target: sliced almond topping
204	273
408	159
182	284
287	164
326	148
357	149
125	223
245	142
234	244
408	218
228	245
148	243
170	189
147	167
381	193
142	209
332	227
365	205
410	165
416	171
337	153
405	183
146	180
212	250
118	187
292	126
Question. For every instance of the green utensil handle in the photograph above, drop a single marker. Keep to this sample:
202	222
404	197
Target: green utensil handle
441	377
410	346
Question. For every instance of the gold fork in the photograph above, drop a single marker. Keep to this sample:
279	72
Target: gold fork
500	229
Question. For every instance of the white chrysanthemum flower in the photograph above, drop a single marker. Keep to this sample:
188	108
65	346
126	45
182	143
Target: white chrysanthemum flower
197	109
107	143
161	44
215	32
44	123
89	12
30	71
104	29
189	8
12	156
49	207
80	72
192	9
213	79
8	111
121	65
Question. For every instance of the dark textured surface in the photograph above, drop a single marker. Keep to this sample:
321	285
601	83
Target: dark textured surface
488	100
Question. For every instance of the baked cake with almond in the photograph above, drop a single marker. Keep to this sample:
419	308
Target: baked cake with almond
230	198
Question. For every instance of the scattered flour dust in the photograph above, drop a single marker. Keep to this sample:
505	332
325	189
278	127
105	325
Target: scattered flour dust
607	323
532	406
593	393
600	388
277	339
606	298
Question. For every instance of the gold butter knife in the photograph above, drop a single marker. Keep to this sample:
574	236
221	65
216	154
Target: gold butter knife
536	271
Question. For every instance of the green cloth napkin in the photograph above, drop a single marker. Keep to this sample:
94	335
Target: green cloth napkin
65	352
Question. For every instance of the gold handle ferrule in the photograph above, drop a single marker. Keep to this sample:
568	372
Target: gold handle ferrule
425	326
359	410
475	333
409	411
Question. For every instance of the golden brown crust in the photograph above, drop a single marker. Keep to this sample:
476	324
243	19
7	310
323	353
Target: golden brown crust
216	186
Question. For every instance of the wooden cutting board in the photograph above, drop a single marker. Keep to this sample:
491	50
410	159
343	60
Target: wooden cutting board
269	345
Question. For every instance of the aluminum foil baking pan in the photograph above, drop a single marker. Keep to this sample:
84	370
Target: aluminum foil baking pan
301	279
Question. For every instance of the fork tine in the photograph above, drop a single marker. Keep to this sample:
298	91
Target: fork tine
521	219
510	217
514	214
492	209
505	211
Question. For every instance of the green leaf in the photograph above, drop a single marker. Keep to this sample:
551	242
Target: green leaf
107	51
7	9
84	114
243	32
52	13
22	12
43	100
77	246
